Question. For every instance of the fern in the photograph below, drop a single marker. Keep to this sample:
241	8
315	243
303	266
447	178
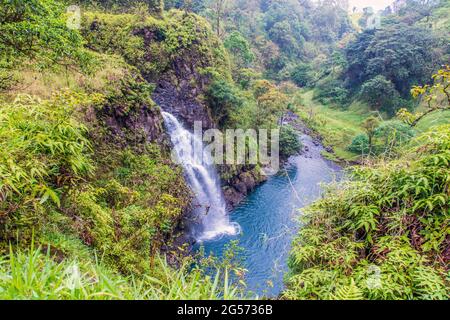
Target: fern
350	292
393	214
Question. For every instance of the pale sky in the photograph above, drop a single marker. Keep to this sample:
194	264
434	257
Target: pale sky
376	4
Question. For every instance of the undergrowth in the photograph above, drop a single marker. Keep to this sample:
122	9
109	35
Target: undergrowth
384	234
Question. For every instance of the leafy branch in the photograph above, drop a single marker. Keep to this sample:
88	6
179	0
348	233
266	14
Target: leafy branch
432	95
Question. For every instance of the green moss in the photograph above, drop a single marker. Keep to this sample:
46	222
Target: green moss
129	95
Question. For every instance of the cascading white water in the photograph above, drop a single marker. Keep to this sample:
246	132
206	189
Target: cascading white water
202	177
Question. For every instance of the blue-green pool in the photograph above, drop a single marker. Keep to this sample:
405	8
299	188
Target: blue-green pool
269	218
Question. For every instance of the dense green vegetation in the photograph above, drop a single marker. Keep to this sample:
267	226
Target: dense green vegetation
91	204
84	174
388	224
383	234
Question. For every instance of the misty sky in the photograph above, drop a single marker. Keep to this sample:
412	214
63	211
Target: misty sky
376	4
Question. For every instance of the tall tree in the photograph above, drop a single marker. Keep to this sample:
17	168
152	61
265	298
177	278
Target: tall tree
219	10
370	126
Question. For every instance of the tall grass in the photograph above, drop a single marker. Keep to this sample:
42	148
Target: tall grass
35	274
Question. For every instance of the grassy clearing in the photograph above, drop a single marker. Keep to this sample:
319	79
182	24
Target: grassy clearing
337	126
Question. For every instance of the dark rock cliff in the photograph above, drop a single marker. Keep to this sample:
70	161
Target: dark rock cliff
180	87
145	124
240	183
130	115
180	91
179	56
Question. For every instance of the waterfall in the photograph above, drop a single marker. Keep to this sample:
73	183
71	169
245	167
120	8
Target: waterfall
202	177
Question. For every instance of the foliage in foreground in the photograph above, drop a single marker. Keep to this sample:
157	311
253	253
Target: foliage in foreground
35	274
382	235
125	203
43	149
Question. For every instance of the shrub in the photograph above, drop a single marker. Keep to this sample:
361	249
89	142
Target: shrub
240	48
289	142
381	94
392	134
43	149
245	77
387	138
223	97
332	91
360	145
302	75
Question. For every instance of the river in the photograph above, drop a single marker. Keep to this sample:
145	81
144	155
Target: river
268	219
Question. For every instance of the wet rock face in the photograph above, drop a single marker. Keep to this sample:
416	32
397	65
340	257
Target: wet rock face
146	125
239	186
180	87
181	91
247	181
232	197
183	102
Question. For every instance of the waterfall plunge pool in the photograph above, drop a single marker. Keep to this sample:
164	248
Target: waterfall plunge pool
202	177
268	219
266	222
